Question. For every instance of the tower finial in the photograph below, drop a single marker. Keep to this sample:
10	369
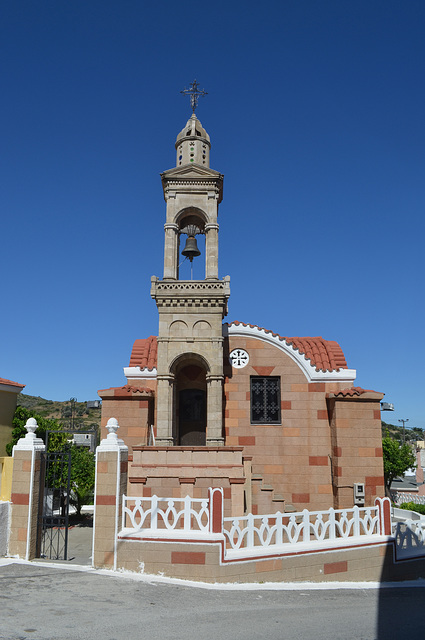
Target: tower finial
195	93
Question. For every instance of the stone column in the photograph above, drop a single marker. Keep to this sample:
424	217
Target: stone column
211	250
111	485
26	493
215	410
237	486
164	418
170	251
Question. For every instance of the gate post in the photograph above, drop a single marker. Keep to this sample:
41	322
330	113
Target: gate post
25	493
110	486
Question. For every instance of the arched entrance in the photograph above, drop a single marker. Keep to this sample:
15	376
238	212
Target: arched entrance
190	402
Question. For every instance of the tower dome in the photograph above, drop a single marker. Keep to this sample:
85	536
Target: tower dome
193	144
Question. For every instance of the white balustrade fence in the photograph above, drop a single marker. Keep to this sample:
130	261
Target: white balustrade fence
165	514
252	535
404	496
256	533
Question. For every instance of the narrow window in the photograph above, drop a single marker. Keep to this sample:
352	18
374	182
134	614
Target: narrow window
265	400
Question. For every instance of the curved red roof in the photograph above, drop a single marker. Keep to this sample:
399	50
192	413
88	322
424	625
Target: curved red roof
144	353
325	355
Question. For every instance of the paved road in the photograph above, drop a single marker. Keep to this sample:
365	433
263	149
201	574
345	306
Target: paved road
41	602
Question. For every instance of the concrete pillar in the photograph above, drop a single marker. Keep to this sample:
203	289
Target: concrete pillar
164	416
170	251
215	497
211	250
214	410
26	493
237	486
186	486
111	485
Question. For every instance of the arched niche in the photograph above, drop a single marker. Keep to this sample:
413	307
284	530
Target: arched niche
190	400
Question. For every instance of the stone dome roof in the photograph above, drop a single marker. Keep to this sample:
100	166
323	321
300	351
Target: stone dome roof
193	129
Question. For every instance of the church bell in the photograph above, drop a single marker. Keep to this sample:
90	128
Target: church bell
191	248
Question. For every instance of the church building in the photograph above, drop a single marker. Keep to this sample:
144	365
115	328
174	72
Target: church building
275	421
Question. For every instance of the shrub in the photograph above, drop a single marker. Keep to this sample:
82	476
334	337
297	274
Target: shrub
411	506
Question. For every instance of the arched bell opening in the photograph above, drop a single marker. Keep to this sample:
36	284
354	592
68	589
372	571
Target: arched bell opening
191	244
190	402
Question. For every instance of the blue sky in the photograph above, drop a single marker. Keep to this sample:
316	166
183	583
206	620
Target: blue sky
316	117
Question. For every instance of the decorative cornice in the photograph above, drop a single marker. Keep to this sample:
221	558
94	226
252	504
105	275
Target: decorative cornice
137	372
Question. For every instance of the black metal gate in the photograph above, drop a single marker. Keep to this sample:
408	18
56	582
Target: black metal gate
52	533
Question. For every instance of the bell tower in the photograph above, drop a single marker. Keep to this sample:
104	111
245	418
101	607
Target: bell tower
190	341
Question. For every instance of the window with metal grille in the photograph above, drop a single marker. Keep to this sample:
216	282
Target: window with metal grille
265	400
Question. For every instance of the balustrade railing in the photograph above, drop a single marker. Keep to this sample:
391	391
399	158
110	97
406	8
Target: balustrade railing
165	514
399	497
255	533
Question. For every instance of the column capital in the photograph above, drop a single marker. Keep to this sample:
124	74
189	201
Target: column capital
112	442
30	442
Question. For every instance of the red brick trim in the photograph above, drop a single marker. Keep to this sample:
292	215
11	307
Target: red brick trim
285	405
378	452
377	414
137	480
263	371
318	461
20	498
187	480
237	480
106	500
246	441
337	451
316	386
301	497
335	567
188	557
322	414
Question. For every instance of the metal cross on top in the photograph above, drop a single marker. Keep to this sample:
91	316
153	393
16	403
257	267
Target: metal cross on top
195	93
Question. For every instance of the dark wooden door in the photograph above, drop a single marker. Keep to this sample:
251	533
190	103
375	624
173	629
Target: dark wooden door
192	417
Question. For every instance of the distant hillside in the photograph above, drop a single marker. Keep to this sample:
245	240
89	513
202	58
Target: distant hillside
396	432
72	414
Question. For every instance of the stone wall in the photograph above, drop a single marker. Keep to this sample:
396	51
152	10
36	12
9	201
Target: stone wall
292	462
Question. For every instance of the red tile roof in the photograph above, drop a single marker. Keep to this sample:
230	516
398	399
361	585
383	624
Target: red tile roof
125	391
352	391
325	355
144	353
11	383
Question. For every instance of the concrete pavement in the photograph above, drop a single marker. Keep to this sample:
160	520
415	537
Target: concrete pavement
40	601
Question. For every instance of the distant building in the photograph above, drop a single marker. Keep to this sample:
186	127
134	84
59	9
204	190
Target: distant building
85	440
93	404
9	392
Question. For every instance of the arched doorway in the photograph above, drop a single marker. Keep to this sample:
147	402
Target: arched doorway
190	403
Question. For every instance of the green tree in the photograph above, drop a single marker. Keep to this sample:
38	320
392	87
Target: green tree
82	477
397	459
82	460
44	424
